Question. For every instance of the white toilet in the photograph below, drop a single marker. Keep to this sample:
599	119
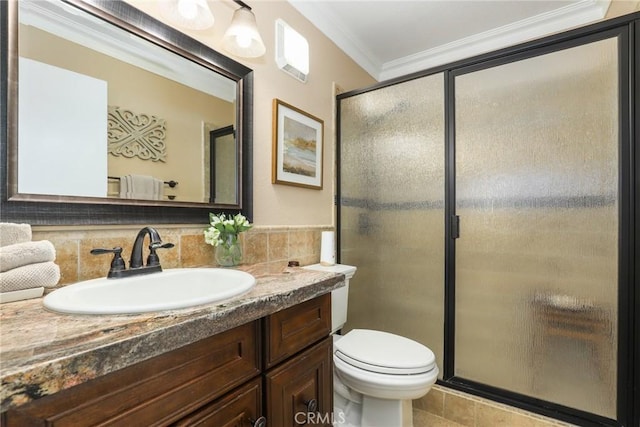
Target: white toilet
376	374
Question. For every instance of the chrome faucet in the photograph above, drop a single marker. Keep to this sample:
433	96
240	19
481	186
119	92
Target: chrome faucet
118	268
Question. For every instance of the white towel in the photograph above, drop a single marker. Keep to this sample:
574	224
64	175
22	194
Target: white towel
158	188
41	275
125	186
11	233
141	187
20	254
21	295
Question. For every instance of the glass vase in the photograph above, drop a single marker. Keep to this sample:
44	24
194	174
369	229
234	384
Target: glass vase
229	253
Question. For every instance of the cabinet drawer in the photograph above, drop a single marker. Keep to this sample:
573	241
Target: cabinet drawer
155	392
240	408
291	330
300	391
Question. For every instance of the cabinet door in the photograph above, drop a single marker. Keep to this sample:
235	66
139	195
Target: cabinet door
290	330
240	408
300	391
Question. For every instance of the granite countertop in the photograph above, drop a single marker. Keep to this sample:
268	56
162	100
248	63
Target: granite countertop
42	352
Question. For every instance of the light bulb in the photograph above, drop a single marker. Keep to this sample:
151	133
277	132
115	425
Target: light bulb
243	40
188	8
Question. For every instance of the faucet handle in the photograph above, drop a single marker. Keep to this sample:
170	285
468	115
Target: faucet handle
159	245
153	259
117	263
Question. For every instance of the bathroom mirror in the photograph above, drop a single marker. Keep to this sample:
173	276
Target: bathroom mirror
114	117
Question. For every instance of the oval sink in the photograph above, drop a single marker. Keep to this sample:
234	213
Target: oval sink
167	290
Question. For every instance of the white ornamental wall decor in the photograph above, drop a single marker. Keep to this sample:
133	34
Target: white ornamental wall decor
136	135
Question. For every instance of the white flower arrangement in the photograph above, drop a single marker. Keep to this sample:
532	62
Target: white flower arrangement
225	230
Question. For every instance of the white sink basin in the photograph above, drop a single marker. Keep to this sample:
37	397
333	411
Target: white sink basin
167	290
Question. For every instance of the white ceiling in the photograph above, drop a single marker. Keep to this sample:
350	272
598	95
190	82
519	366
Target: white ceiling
394	38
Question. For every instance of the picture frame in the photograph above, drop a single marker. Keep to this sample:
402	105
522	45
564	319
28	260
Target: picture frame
298	143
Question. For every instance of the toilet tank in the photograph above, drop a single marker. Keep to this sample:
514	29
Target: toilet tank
339	297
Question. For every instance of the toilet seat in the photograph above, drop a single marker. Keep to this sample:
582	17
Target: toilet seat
384	353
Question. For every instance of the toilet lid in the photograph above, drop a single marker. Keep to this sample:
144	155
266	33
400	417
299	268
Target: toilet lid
384	353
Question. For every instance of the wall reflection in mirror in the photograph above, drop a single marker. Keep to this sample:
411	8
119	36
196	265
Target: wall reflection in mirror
104	113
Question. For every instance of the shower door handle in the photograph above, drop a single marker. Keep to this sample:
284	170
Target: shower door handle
455	227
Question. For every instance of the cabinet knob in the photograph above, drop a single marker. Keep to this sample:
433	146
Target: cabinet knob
312	405
260	422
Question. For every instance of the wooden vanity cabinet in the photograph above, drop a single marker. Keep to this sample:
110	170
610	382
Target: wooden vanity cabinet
221	381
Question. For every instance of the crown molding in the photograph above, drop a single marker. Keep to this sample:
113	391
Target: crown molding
571	16
564	18
330	25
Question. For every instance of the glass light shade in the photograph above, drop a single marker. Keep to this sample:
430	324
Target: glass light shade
242	37
187	14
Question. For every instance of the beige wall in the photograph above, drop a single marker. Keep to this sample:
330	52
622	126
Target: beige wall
622	7
282	204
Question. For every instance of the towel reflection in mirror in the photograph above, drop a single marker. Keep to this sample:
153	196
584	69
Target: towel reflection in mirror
141	187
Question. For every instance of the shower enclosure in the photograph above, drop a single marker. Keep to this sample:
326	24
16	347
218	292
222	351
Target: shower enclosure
488	206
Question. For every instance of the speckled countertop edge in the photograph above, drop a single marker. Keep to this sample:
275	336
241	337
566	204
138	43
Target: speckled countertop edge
42	352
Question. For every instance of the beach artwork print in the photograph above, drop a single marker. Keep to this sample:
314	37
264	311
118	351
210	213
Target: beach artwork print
299	151
297	147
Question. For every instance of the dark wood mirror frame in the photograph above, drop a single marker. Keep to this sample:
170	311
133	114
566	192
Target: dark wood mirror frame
63	210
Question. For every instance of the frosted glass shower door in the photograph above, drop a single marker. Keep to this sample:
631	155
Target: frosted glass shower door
392	209
536	274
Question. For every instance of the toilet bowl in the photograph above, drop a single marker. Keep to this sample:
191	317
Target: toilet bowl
384	365
376	374
382	374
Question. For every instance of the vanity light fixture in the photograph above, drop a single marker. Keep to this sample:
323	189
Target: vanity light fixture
242	37
292	51
188	14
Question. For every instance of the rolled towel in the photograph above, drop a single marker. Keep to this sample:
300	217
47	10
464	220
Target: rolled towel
20	254
43	274
11	233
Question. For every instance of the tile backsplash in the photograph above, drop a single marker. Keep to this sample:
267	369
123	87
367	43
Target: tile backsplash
271	246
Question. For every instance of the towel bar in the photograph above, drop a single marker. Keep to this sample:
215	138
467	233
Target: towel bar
170	183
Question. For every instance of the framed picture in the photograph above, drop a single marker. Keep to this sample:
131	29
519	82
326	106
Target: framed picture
297	147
